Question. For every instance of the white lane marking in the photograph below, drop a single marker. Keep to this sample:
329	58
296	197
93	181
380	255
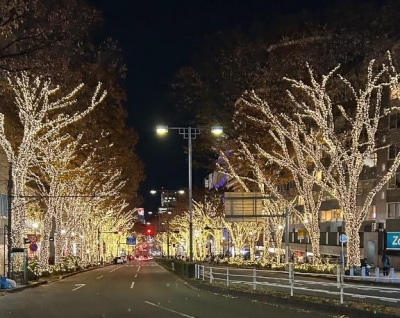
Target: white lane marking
115	269
168	309
99	277
133	284
79	286
135	275
138	269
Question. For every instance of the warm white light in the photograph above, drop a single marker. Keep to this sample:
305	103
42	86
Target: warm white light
217	130
35	225
153	191
162	130
63	232
181	192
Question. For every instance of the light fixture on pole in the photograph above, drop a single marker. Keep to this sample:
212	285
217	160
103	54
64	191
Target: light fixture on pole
189	133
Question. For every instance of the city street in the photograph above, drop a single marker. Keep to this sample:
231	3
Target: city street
131	290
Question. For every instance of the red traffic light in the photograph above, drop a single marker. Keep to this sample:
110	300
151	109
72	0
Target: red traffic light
149	230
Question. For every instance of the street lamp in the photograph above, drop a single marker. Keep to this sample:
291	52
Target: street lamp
189	133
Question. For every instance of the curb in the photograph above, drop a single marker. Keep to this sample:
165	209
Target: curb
48	281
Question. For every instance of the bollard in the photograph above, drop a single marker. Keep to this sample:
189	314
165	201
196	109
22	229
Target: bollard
363	273
392	276
338	273
195	271
211	278
377	273
291	278
203	271
227	277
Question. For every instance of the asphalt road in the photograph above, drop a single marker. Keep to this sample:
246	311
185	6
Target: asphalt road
131	290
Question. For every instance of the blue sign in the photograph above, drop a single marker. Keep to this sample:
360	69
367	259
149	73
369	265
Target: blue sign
131	240
33	247
393	240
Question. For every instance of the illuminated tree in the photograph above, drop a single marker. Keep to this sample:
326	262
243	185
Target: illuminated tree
41	114
289	155
346	144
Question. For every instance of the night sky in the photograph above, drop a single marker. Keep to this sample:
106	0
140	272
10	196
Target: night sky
157	38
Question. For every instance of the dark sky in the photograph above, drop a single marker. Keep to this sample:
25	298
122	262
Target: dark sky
157	37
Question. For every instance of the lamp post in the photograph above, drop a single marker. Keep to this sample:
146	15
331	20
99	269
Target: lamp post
189	133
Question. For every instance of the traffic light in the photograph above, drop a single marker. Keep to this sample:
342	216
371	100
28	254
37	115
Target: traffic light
149	230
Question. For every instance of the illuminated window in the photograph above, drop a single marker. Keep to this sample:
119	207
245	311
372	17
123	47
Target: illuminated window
371	214
331	215
371	160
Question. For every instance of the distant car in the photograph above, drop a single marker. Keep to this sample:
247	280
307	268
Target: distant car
118	260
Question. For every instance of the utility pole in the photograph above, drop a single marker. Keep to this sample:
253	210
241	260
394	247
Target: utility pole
9	203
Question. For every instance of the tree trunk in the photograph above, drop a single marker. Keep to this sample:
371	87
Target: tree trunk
353	243
314	240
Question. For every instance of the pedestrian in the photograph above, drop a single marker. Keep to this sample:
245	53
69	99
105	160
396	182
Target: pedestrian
385	264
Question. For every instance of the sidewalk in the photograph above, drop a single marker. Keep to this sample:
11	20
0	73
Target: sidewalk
45	280
393	278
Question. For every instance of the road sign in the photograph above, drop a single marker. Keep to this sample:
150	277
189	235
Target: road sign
343	238
33	247
131	240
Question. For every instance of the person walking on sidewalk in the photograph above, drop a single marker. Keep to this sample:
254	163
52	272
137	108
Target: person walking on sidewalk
385	264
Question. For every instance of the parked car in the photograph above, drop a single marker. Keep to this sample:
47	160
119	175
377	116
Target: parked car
118	260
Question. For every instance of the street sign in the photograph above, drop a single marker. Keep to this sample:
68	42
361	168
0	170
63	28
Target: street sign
343	238
131	240
33	247
393	240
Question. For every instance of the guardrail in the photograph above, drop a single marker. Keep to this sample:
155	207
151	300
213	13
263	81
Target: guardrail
333	284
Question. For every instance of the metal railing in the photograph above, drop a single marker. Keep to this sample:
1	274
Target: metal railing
302	283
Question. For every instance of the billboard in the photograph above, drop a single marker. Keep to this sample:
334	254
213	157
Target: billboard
140	212
393	240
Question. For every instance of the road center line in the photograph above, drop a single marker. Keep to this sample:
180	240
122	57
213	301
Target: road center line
138	269
168	309
99	277
133	284
115	269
